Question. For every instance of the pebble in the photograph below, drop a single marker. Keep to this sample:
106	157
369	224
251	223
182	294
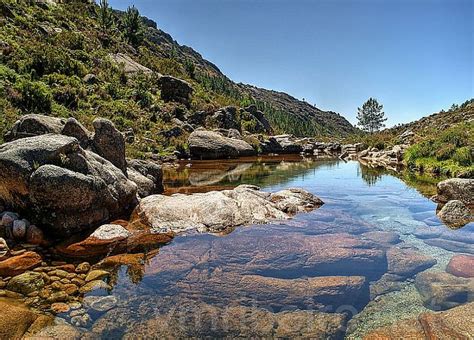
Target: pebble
94	285
8	218
59	272
56	285
65	281
83	268
75	305
77	312
97	275
100	303
58	297
71	289
81	320
78	282
60	307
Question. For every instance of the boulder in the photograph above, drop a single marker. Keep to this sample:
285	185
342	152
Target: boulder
260	116
147	175
19	264
175	90
461	266
407	262
26	283
218	210
224	118
52	180
34	125
73	128
453	324
461	189
109	143
16	320
191	319
130	66
441	290
455	214
212	145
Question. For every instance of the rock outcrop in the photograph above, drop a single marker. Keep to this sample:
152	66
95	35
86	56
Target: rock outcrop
219	210
52	180
147	175
130	66
213	145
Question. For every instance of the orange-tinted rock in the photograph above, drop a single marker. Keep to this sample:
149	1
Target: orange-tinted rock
407	262
461	265
19	264
455	323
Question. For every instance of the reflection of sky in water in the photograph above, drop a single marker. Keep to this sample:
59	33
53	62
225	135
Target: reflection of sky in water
209	268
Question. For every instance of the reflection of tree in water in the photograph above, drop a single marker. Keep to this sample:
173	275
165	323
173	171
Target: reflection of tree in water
370	175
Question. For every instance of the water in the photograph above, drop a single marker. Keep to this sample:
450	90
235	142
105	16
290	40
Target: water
317	274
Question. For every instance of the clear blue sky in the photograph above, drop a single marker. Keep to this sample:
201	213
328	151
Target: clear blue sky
415	56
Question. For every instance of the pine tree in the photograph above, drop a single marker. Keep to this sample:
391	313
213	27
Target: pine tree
133	27
105	16
371	117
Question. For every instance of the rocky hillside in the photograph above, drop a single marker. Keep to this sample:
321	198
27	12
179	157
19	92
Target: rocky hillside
70	60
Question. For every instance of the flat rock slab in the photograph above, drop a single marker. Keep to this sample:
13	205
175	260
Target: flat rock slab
219	210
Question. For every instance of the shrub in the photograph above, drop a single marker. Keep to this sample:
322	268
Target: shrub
464	156
34	96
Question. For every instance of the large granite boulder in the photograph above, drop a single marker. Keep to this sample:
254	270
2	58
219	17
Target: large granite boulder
53	181
218	210
213	145
461	189
260	116
109	143
130	66
455	214
147	175
224	118
175	90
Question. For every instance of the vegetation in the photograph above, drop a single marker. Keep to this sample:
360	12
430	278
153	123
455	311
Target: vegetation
371	117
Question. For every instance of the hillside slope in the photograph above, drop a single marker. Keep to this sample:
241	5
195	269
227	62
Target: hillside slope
60	60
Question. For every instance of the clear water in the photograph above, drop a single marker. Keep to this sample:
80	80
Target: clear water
193	283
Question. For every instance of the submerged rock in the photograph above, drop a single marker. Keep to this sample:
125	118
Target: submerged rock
407	262
441	290
52	180
188	319
212	145
453	324
461	265
218	210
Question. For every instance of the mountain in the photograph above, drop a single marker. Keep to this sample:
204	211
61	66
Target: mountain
61	59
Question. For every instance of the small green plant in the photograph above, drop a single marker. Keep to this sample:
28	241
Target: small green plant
33	96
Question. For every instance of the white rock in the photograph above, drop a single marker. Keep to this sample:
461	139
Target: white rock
111	232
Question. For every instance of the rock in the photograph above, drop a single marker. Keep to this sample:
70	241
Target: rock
60	296
73	128
34	235
8	218
60	307
387	283
19	229
51	179
212	145
90	79
109	143
34	125
100	303
288	144
224	118
26	283
130	66
175	90
260	116
454	246
455	214
4	250
110	232
218	210
97	275
19	264
314	293
407	262
385	238
452	324
201	320
461	266
95	286
461	189
441	290
16	320
83	267
60	331
81	320
147	175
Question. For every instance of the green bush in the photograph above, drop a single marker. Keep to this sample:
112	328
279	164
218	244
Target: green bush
464	156
445	151
33	96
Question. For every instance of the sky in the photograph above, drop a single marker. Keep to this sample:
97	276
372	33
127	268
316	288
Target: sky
414	56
